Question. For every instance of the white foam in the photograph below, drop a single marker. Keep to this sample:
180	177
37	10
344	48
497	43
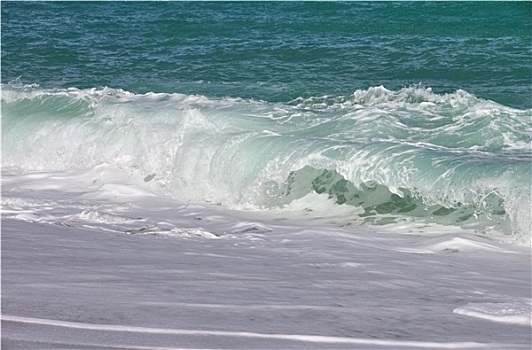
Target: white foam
254	227
350	286
107	218
291	337
451	244
517	313
125	147
171	231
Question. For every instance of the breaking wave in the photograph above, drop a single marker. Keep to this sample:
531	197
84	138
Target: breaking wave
397	156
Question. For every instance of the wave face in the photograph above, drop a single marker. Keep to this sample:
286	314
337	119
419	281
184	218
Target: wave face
409	157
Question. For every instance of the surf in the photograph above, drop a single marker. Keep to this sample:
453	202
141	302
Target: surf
410	157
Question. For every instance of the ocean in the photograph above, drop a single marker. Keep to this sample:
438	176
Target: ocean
266	175
401	117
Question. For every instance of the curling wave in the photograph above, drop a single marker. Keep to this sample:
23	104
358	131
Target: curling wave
398	156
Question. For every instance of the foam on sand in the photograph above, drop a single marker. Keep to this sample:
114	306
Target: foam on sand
516	312
290	337
259	284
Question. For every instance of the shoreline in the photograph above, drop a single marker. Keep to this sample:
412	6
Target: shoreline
74	287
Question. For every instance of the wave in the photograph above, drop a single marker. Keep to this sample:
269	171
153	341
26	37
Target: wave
397	156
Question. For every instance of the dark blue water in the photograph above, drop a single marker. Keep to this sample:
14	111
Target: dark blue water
271	51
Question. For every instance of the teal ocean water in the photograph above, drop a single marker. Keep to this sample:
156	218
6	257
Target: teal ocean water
414	114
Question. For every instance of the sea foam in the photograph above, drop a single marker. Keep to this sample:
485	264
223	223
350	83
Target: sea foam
398	157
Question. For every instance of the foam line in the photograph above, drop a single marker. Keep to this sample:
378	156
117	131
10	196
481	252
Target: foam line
503	313
289	337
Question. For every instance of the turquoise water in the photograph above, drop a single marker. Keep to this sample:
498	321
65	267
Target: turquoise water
416	113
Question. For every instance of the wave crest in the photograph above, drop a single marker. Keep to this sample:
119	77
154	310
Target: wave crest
411	154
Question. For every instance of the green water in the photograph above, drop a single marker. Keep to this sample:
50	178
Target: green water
412	113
